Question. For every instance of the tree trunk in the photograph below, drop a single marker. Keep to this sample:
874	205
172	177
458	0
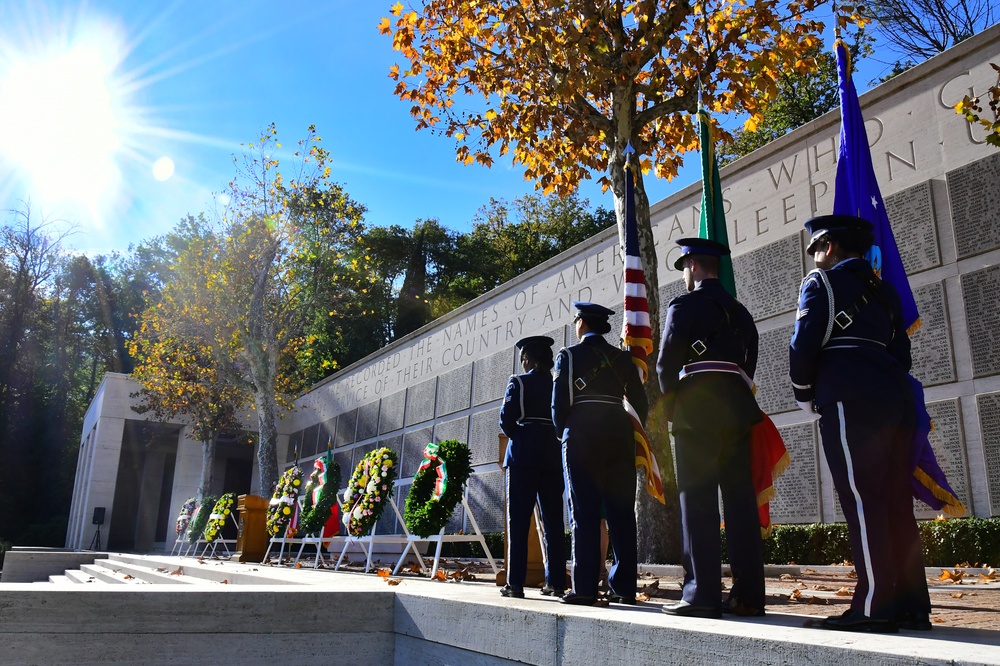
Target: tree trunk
659	533
267	441
207	467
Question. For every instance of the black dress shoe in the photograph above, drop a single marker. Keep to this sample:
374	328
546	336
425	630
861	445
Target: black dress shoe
578	600
914	621
514	593
619	599
684	609
548	591
854	621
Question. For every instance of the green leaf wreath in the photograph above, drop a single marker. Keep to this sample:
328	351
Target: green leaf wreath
197	525
320	496
282	504
437	487
220	514
368	490
184	517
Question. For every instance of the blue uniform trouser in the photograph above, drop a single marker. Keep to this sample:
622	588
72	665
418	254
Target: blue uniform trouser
601	469
710	458
867	446
524	486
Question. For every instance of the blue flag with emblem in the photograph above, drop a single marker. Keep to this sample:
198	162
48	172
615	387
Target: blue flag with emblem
857	193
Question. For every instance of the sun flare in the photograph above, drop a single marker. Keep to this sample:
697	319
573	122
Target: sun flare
60	111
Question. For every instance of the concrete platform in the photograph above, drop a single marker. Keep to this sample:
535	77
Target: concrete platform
229	613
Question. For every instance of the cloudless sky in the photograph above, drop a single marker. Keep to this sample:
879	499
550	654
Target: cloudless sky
123	116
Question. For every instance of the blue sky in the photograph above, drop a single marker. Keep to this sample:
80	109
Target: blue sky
185	83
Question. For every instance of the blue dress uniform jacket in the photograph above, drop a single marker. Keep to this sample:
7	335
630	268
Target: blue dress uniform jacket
712	410
599	458
533	464
850	355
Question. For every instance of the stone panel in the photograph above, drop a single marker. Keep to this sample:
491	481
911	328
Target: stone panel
420	401
989	422
491	375
948	443
347	424
669	291
367	421
327	433
391	413
981	292
344	458
767	277
414	443
454	390
797	492
774	390
914	226
975	200
453	429
483	431
933	360
309	439
486	500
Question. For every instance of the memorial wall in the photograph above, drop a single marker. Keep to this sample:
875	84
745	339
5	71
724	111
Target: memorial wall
941	185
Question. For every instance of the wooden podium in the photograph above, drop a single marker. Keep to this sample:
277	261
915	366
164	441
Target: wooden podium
251	542
535	575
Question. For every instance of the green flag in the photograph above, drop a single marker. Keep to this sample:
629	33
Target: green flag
713	218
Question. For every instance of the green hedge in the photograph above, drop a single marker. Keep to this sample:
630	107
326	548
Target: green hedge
947	543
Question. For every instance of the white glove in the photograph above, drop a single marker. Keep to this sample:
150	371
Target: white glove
807	407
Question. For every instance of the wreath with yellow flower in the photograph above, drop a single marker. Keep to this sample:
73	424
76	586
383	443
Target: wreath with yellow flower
321	494
282	504
184	517
368	489
437	487
220	514
197	525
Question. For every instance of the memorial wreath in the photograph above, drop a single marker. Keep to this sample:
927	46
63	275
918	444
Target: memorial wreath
282	504
437	487
368	489
219	516
200	519
321	494
184	517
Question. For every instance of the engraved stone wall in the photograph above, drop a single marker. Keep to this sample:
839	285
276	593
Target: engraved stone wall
453	429
346	427
414	443
486	491
975	200
294	444
309	442
367	421
491	375
483	430
933	360
391	412
911	215
981	292
989	420
420	401
766	277
454	390
774	389
327	433
796	491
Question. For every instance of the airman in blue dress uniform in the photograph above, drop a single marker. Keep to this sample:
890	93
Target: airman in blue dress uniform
708	356
533	465
849	359
598	448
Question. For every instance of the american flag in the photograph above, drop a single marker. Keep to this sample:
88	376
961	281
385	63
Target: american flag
636	336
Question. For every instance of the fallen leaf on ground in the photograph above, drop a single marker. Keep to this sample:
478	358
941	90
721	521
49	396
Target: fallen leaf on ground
298	565
641	597
795	595
225	581
815	601
414	568
809	571
852	574
384	573
440	575
129	576
957	595
953	576
822	588
844	592
393	581
787	576
938	620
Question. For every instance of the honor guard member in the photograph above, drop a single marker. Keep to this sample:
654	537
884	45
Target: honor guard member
598	448
848	361
708	356
533	465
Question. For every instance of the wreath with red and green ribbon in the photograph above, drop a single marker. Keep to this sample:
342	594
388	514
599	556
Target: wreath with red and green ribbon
282	506
368	491
437	487
321	494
